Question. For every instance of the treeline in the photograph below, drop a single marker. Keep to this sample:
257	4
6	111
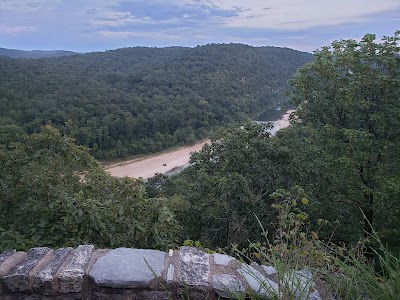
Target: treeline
337	165
15	53
138	100
53	193
343	149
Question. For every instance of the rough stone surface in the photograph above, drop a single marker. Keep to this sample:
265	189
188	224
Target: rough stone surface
71	275
269	270
18	277
12	261
257	282
127	268
221	259
170	273
6	254
314	296
228	286
195	267
300	283
43	282
121	274
8	264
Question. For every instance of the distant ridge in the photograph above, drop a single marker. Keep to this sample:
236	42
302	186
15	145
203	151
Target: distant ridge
139	100
15	53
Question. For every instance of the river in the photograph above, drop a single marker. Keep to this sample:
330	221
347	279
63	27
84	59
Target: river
174	161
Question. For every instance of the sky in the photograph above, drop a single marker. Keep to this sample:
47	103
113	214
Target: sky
98	25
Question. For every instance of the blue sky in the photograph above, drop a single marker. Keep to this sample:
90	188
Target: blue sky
97	25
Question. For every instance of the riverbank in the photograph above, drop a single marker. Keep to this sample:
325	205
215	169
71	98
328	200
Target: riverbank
284	122
170	162
147	167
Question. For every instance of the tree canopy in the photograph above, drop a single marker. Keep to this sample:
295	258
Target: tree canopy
342	148
340	156
140	100
54	193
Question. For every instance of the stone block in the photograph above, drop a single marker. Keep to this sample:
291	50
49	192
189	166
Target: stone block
194	267
259	283
301	284
8	264
44	280
221	259
228	286
72	273
170	273
269	270
6	254
17	280
128	268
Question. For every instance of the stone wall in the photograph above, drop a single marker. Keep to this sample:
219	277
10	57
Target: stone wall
123	273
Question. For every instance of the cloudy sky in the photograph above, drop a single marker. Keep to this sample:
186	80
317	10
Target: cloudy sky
96	25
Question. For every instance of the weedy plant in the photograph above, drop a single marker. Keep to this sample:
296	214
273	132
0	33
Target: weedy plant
295	253
300	260
360	278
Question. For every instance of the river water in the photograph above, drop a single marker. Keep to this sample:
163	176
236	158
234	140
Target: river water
173	162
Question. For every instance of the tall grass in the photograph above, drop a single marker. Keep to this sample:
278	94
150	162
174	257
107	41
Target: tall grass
345	272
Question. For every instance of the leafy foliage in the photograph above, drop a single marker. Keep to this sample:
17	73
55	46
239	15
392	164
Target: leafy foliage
54	193
228	181
344	268
140	100
350	96
34	53
342	148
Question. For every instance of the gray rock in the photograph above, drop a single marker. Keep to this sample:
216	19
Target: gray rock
314	296
259	283
194	267
269	270
170	273
221	259
228	286
128	268
71	274
6	254
300	283
44	279
8	264
17	280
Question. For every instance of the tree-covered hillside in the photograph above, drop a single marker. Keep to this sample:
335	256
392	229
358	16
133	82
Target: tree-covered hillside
15	53
137	100
343	150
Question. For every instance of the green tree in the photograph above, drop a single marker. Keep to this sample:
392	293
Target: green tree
343	150
228	182
54	193
350	96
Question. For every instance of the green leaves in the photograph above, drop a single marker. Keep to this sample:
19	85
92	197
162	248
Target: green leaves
53	193
141	100
350	96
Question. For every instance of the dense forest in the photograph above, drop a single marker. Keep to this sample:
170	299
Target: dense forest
328	184
139	100
34	53
343	149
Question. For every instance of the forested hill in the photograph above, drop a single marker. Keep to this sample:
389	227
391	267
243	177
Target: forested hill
137	100
34	53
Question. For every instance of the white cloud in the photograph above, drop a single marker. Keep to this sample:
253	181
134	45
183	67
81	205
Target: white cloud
303	14
26	5
4	29
109	18
138	34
